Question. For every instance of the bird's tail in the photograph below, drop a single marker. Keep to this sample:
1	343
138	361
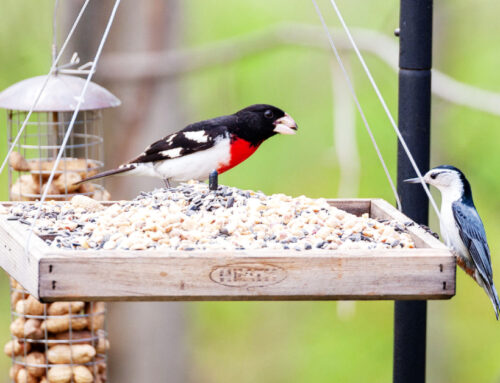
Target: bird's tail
121	169
492	293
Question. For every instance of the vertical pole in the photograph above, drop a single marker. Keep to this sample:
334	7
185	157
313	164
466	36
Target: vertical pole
415	61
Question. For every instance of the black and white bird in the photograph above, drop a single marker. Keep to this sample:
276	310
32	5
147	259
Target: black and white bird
219	144
462	228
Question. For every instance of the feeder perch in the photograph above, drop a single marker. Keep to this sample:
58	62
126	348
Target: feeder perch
33	157
49	274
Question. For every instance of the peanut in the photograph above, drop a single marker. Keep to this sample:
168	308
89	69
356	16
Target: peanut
77	353
82	374
38	179
14	370
61	324
30	306
62	308
96	318
18	162
66	182
101	368
32	329
17	327
76	336
16	348
86	187
36	358
23	376
15	297
23	187
102	345
85	337
59	374
51	190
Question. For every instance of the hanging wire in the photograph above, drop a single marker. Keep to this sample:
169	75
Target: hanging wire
382	101
51	71
80	100
358	105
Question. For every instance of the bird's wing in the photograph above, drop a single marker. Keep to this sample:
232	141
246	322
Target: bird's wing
472	232
182	143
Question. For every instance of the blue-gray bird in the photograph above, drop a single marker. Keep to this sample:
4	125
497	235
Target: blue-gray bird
462	228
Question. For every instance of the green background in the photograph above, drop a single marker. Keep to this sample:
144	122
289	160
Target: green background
309	341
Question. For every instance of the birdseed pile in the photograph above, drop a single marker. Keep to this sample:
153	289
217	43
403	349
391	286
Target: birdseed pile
191	217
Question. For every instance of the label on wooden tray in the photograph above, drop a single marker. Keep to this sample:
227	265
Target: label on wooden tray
247	274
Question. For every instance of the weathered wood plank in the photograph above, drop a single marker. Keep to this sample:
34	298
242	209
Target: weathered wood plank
356	206
396	274
20	263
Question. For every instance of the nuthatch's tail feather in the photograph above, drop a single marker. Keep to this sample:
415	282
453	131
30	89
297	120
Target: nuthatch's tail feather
492	293
107	173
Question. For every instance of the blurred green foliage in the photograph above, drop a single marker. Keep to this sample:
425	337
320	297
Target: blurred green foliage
25	35
309	341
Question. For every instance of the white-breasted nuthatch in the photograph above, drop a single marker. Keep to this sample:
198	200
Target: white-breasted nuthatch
462	228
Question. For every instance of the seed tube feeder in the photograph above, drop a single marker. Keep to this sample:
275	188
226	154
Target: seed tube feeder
32	160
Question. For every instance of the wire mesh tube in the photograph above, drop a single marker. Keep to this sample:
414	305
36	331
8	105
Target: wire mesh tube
30	164
59	342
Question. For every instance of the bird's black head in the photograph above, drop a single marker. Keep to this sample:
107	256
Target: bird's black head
439	170
257	123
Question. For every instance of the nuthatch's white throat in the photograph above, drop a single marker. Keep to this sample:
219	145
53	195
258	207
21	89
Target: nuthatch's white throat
462	228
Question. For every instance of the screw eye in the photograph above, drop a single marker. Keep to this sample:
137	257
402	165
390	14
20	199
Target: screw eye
268	114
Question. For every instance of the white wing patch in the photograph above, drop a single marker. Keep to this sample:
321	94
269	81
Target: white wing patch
171	138
199	136
171	153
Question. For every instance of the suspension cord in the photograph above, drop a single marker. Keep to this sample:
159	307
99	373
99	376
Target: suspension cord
80	99
358	105
384	105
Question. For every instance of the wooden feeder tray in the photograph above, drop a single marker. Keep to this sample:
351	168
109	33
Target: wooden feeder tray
49	274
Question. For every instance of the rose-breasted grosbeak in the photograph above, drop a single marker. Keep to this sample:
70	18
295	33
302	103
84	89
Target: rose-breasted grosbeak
219	144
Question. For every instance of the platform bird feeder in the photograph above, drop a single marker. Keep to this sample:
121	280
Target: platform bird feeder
33	157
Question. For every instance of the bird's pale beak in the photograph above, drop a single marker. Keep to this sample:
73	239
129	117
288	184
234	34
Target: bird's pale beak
413	180
285	125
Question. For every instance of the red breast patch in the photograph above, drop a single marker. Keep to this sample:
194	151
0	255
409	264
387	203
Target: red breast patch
240	150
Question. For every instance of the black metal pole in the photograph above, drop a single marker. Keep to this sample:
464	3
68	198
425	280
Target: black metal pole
415	61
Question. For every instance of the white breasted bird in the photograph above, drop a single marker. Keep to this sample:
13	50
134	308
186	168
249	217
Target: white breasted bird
462	228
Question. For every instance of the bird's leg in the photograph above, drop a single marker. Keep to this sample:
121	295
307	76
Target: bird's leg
167	183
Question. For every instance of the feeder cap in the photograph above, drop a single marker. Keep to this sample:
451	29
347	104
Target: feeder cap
59	95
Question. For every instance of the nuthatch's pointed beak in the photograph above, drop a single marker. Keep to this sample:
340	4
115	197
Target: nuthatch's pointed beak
413	180
285	125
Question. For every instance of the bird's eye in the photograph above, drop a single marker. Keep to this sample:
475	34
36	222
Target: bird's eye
434	175
268	114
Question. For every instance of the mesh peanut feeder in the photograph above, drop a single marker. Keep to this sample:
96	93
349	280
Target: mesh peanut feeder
59	342
62	341
33	157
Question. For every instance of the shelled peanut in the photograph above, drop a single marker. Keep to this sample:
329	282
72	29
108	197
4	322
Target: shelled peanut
45	349
28	187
